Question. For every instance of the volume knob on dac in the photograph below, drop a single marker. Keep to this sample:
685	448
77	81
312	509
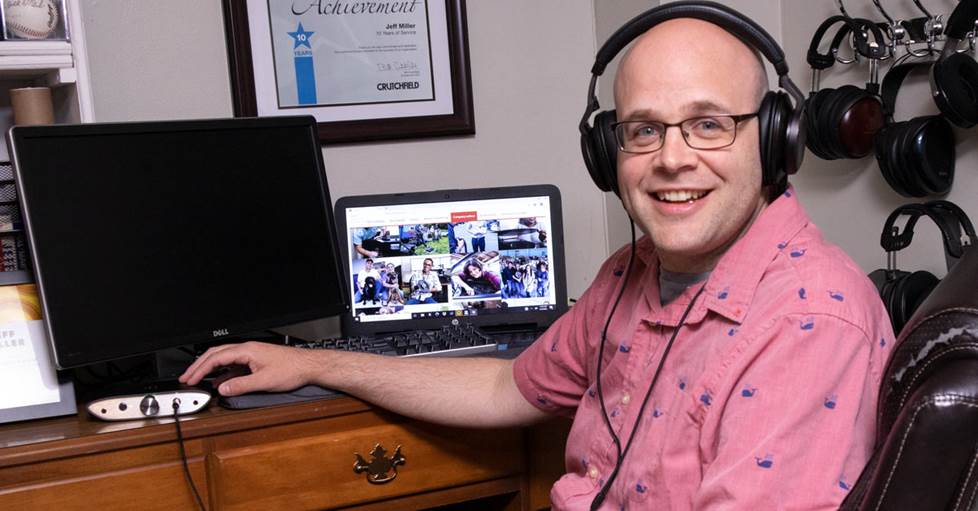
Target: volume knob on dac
149	406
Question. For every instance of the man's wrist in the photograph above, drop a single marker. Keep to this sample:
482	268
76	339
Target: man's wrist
314	365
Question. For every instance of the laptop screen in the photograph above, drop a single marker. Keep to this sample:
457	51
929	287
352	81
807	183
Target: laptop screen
489	257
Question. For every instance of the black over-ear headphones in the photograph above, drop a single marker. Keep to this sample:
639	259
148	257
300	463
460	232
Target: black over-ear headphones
954	76
917	156
842	123
903	291
781	124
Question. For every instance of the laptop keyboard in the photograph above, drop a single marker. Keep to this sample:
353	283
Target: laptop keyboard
448	341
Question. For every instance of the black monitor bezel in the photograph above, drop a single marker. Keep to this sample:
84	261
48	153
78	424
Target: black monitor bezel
63	360
535	319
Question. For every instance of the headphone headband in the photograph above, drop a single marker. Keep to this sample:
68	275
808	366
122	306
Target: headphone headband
949	218
892	82
820	61
744	28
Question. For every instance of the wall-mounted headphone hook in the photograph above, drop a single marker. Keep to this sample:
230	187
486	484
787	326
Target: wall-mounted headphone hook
893	30
855	54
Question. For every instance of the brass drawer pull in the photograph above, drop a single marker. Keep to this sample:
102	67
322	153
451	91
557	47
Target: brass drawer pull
380	469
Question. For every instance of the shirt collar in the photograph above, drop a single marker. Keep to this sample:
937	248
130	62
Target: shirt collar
733	282
731	288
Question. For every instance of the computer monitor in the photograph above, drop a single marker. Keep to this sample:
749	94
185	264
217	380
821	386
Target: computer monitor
150	235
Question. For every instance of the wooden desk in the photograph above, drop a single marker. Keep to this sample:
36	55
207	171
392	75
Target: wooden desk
287	457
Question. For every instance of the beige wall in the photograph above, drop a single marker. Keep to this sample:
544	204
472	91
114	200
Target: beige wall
530	68
166	60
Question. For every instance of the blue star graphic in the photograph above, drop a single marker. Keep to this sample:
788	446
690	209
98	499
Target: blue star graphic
301	37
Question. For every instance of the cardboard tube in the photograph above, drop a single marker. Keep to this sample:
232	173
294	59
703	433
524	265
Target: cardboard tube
32	106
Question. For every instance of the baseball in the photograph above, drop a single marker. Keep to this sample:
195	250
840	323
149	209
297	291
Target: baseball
30	19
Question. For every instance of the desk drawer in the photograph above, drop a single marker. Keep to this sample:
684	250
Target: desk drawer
317	472
158	487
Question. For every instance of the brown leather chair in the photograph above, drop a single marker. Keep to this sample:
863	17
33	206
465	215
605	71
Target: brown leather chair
927	432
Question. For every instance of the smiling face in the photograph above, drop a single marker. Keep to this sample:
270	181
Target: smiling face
692	203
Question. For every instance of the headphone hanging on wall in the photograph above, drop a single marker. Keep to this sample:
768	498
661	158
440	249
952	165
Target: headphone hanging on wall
842	122
903	291
782	136
916	156
954	76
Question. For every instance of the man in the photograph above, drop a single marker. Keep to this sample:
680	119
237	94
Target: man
477	230
368	288
368	235
767	399
424	284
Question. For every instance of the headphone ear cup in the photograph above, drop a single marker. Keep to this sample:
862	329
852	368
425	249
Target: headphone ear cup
909	146
601	151
914	290
901	161
814	106
882	149
954	84
894	296
774	116
934	145
889	165
854	116
828	122
886	293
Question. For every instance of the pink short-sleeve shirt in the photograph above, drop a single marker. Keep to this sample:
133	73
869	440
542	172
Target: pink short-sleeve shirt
767	399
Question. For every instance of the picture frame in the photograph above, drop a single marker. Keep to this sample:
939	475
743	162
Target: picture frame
400	72
26	362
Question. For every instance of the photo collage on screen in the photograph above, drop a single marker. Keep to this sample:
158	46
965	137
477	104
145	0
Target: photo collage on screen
472	264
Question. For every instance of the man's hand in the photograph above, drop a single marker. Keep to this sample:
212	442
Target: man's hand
366	253
273	368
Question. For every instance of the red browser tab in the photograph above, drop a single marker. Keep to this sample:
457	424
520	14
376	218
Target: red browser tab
464	216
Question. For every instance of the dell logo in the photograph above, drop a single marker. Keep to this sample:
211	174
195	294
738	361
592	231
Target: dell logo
220	331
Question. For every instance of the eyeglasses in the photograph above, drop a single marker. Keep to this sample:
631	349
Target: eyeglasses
704	132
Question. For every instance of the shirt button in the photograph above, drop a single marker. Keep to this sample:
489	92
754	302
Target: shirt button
626	399
593	472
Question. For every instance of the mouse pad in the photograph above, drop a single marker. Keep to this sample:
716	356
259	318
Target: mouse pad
259	399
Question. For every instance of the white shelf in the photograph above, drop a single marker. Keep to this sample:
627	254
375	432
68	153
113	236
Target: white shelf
39	48
50	63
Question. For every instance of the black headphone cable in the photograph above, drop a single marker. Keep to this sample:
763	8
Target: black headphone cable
604	338
183	454
603	493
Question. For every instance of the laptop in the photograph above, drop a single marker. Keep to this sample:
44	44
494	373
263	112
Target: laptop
487	260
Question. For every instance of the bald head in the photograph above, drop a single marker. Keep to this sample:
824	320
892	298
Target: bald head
691	42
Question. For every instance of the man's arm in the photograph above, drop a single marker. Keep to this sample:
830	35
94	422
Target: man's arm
364	252
471	392
461	283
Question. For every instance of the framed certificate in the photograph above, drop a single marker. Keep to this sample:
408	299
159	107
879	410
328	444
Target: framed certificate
33	389
366	70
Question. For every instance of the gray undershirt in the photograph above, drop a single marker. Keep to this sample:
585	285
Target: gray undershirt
672	284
